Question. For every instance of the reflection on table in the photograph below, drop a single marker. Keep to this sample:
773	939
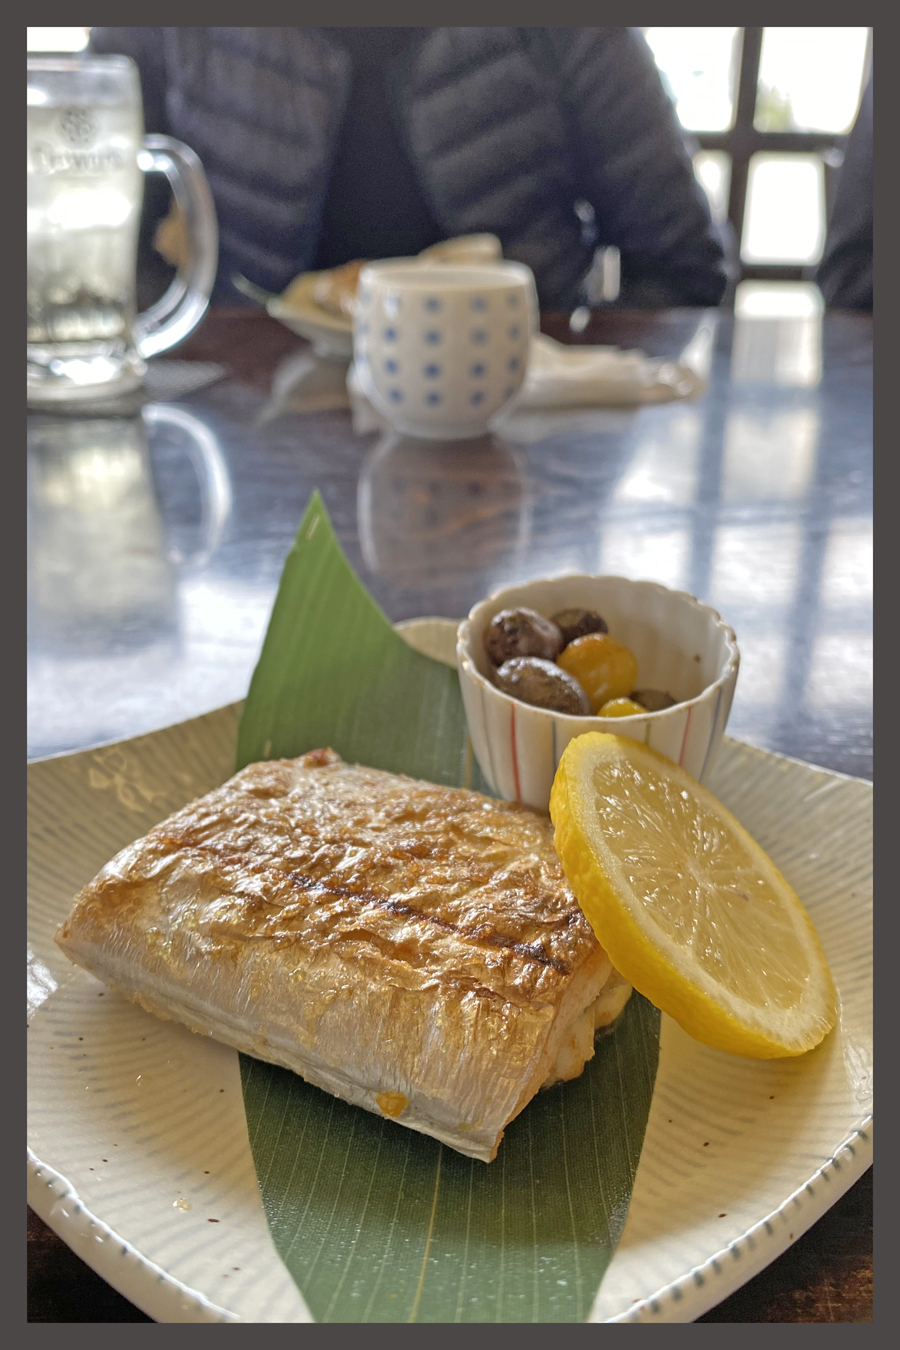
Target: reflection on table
429	511
101	578
757	498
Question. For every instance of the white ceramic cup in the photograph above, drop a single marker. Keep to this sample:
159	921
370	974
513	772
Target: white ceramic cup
682	647
442	349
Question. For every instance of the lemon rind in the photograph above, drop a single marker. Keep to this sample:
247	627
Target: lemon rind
723	1021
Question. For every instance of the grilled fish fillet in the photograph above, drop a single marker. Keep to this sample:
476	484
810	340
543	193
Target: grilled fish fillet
410	948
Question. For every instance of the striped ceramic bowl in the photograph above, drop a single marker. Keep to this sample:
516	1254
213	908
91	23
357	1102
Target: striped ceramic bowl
681	646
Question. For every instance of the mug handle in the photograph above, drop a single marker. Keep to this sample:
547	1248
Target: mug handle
177	313
212	474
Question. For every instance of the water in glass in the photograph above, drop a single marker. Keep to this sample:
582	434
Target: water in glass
84	202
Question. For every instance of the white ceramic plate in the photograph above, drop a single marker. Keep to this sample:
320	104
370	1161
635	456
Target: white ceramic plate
138	1154
329	334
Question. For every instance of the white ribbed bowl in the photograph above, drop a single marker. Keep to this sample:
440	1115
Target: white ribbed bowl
681	646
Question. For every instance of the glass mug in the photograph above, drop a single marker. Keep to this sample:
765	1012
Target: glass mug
87	155
101	562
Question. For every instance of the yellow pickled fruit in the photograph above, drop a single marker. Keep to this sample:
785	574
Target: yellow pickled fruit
622	707
692	911
604	667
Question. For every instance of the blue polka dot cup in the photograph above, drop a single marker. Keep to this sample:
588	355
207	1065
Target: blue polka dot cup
441	350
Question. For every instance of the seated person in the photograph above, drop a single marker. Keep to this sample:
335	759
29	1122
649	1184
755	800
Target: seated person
326	144
845	273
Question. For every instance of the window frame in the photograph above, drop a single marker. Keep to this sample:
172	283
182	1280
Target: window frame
743	140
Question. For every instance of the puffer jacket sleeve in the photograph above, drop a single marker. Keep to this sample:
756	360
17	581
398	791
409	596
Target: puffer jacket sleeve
634	167
846	272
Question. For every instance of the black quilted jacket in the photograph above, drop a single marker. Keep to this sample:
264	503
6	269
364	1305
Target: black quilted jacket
846	273
507	128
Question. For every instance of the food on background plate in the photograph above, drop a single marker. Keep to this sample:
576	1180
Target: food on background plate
691	909
335	291
412	949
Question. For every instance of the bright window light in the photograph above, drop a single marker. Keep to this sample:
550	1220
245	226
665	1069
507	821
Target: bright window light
847	569
763	670
777	334
57	39
785	216
841	670
663	468
778	300
713	169
810	78
647	556
699	67
737	577
769	455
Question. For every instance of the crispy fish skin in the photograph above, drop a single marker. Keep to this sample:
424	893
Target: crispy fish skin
411	948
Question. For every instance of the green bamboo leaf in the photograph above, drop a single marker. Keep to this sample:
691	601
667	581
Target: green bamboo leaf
377	1223
333	672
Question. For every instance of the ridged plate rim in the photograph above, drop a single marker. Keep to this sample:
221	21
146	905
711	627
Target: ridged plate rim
698	1288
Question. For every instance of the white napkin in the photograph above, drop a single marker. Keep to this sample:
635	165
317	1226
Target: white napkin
562	377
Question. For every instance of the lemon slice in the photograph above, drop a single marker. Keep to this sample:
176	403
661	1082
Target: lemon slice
690	909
